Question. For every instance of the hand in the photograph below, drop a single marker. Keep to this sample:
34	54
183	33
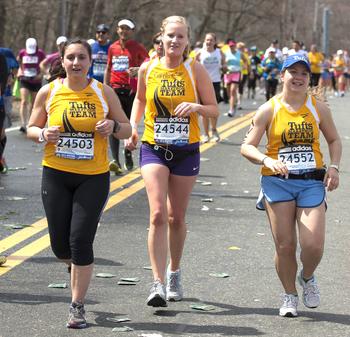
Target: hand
184	109
133	71
276	166
131	143
52	134
105	127
331	179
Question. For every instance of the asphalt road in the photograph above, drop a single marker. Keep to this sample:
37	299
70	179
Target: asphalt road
227	236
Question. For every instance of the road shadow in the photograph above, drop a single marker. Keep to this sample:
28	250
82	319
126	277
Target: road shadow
98	261
37	299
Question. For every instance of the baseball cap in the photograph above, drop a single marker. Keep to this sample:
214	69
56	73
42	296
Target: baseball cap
271	50
61	39
31	45
102	28
253	48
296	58
231	43
126	22
285	50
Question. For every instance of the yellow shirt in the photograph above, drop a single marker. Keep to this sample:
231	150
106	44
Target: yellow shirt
80	148
293	137
315	60
165	90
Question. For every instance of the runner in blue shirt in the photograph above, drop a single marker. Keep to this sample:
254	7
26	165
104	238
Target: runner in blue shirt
100	52
272	67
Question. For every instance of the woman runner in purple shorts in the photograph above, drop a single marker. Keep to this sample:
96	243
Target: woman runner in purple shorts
169	91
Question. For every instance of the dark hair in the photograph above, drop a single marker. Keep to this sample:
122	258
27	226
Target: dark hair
56	69
156	37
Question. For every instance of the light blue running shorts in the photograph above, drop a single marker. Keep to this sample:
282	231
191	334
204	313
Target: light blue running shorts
307	193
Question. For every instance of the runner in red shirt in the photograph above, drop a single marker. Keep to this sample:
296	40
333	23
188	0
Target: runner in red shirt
124	58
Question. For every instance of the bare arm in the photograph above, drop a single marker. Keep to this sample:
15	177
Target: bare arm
208	106
38	119
138	107
107	75
331	135
249	148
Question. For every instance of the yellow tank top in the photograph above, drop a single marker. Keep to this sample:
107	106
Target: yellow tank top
293	137
80	148
165	90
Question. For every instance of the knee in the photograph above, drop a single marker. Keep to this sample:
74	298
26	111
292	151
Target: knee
62	252
158	218
82	252
313	248
176	221
286	248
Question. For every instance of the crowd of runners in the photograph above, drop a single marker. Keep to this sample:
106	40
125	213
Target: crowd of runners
85	92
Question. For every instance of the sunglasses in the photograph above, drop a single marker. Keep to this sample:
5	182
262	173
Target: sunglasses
101	32
157	42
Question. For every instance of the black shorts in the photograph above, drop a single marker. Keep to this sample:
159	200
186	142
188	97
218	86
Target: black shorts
33	87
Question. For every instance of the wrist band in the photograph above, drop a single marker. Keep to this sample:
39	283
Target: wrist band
116	126
133	125
263	160
336	167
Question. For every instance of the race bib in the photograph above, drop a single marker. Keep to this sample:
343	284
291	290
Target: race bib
30	59
98	69
173	130
297	157
30	72
75	145
120	63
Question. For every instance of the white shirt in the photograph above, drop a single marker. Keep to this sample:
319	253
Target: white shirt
212	63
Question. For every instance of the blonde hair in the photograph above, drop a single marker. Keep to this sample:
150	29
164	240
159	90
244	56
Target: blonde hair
181	20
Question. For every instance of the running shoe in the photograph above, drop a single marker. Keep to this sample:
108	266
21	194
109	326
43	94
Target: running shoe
215	135
23	129
3	259
3	166
76	319
157	297
289	306
311	292
129	164
114	166
174	290
230	113
205	139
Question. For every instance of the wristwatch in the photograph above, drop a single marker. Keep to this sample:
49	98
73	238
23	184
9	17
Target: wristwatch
116	126
41	137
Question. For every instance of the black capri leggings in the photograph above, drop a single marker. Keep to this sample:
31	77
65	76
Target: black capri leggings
73	205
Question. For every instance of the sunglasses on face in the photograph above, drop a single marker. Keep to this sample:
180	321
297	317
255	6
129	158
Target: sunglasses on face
157	42
101	33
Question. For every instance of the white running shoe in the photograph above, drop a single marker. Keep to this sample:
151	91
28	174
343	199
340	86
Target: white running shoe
215	136
311	292
205	139
157	295
289	306
174	290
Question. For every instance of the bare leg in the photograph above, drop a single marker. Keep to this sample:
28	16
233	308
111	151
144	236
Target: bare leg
80	280
311	222
282	217
23	110
156	180
180	188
